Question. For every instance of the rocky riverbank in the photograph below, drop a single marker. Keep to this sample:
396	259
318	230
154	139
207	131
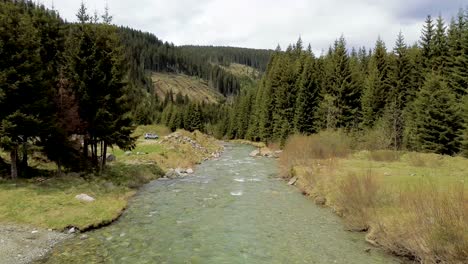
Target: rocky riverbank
85	202
21	244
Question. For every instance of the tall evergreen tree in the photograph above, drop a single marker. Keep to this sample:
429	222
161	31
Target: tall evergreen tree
342	86
440	46
427	42
433	124
21	101
307	100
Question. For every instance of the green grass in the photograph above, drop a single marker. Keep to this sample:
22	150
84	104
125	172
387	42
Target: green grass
196	89
51	203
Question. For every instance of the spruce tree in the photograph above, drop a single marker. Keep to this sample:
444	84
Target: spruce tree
21	101
307	100
440	46
433	124
464	132
377	86
342	87
427	42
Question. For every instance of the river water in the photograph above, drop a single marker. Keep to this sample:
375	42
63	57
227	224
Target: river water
233	210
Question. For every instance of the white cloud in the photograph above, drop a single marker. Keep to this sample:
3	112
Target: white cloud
264	24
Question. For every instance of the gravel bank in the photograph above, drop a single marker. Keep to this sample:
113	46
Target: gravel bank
22	244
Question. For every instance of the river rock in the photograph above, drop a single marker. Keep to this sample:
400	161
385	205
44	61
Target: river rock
71	230
190	171
180	171
292	181
171	174
254	153
319	200
84	197
128	153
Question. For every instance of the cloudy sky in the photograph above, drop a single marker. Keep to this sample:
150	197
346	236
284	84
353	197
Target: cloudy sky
266	23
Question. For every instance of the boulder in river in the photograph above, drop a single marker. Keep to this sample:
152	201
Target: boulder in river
84	197
190	171
292	181
254	153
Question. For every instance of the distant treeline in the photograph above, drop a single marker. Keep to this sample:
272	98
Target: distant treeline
408	97
147	53
255	58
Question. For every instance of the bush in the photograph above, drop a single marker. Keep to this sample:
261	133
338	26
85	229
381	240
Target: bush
300	149
357	196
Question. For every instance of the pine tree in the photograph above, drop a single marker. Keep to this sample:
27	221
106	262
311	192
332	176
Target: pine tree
307	100
434	121
464	132
20	70
440	46
342	87
96	69
82	15
106	17
458	55
427	42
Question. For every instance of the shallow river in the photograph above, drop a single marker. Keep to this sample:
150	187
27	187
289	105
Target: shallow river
233	210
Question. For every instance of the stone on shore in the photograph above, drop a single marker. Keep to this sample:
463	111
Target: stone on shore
84	197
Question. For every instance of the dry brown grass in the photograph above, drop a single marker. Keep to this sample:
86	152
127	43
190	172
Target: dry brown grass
299	149
385	155
418	208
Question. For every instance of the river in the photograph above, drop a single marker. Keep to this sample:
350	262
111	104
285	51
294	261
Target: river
233	210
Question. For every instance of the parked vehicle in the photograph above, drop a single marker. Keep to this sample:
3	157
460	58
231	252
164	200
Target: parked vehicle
151	136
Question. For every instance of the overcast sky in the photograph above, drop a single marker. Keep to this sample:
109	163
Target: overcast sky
266	23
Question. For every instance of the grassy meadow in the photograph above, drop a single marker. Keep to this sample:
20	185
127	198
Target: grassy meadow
413	204
48	200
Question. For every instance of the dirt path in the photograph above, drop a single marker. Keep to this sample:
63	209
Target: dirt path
21	244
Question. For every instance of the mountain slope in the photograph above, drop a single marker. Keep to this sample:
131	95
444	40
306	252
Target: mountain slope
196	89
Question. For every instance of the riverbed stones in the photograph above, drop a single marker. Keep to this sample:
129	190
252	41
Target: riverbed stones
255	153
71	230
292	181
85	198
189	171
19	246
320	200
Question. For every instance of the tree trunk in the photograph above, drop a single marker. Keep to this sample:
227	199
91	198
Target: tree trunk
59	167
85	147
92	153
24	161
14	163
104	155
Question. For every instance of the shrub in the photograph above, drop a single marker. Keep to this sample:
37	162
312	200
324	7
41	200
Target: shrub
300	150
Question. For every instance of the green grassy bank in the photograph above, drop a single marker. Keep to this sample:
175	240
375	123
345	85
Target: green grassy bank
49	201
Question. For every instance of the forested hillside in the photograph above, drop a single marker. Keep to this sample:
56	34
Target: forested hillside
410	96
255	58
90	82
71	90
